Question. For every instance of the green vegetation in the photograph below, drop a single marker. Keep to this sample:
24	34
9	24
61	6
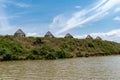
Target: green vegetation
22	48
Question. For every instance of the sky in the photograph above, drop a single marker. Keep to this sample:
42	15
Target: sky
77	17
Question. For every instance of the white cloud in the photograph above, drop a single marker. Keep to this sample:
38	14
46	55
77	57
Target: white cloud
58	20
117	18
4	3
113	35
33	34
19	4
77	7
117	9
100	10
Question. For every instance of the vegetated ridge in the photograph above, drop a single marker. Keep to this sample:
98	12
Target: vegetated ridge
33	48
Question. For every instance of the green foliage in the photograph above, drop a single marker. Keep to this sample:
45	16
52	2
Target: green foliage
13	48
64	46
7	56
45	50
18	49
49	53
2	51
90	45
35	52
38	41
50	56
31	57
63	54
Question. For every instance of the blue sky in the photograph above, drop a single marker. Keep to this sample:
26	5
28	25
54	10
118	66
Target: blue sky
78	17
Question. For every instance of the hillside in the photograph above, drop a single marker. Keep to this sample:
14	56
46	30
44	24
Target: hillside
14	48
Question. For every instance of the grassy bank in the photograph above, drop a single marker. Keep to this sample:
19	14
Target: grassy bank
14	48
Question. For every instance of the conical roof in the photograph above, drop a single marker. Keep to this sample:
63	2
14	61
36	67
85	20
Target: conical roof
49	34
68	35
98	38
89	37
19	31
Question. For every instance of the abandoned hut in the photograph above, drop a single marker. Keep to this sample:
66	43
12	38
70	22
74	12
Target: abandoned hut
68	35
49	35
98	38
19	33
89	37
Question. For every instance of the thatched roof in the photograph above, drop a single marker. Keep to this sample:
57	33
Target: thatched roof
68	35
89	37
49	34
19	32
98	38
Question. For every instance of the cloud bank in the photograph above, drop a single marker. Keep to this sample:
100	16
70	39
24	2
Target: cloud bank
117	18
113	35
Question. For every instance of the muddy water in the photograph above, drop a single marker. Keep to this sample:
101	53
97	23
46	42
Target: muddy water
94	68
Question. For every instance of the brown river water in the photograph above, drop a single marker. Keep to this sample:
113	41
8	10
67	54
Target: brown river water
93	68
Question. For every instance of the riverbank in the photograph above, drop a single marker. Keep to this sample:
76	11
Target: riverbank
36	48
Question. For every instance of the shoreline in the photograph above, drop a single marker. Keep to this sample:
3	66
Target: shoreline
62	58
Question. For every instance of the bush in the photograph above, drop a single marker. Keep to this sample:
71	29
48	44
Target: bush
45	50
32	57
38	41
63	54
7	56
2	51
50	56
35	52
18	49
90	45
64	46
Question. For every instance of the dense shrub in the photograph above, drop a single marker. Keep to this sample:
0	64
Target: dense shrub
2	51
45	50
31	56
38	41
50	55
35	52
90	45
63	54
7	56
